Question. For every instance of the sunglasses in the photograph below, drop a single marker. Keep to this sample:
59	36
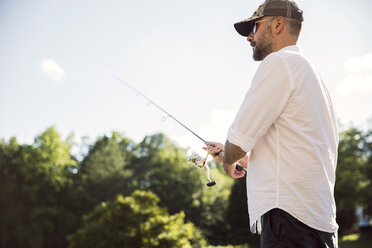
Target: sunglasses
255	25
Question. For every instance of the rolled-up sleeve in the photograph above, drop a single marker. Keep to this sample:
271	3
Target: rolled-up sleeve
265	100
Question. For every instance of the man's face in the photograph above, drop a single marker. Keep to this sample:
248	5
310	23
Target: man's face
262	40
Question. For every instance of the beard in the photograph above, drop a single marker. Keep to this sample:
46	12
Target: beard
264	45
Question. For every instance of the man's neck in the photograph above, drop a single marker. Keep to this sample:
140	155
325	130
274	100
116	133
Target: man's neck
284	43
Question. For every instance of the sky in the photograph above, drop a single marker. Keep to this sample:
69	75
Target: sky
56	58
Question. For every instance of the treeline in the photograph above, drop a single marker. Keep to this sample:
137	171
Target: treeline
146	194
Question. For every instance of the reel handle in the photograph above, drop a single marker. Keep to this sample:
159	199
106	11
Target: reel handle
239	167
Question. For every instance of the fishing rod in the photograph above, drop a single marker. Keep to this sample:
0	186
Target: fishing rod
195	158
157	106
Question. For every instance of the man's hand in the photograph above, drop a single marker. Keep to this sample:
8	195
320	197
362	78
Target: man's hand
215	149
232	171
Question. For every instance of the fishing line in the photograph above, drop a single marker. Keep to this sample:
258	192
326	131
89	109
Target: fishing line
139	93
195	158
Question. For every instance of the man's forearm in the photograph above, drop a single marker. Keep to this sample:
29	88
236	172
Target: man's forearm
232	153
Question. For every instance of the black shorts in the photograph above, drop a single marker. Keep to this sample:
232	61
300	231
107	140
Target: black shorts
280	229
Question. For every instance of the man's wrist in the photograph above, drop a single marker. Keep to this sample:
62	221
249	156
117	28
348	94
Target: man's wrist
226	165
227	160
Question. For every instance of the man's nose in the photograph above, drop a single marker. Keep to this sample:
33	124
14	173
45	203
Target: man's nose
250	37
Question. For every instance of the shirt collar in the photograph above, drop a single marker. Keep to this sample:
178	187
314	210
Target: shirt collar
293	48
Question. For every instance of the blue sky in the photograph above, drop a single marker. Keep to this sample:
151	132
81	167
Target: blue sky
185	55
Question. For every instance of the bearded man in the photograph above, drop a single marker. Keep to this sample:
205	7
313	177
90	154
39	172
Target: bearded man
285	134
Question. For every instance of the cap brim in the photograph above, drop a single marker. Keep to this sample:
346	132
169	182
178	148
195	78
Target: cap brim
244	27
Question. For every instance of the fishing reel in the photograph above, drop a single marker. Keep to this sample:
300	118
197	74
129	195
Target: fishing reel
197	160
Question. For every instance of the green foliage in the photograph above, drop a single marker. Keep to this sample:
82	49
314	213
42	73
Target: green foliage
350	179
237	217
44	192
11	210
367	171
356	241
135	221
210	205
52	152
32	182
162	168
102	174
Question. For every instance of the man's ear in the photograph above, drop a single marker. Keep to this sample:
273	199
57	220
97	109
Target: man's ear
279	24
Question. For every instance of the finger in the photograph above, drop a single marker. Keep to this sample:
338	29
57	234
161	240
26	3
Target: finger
211	143
215	151
216	145
210	150
238	174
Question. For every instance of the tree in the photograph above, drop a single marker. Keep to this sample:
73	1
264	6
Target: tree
162	168
102	173
32	181
237	217
11	210
44	191
367	171
135	221
350	179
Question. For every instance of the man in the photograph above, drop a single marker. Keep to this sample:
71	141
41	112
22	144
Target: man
286	125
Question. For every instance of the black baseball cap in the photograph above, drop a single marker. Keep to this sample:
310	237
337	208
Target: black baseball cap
285	8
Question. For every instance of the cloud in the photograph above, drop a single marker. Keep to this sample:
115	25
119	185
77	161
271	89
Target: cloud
355	83
359	75
359	65
54	71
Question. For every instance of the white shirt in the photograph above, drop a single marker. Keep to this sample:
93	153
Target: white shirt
288	125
